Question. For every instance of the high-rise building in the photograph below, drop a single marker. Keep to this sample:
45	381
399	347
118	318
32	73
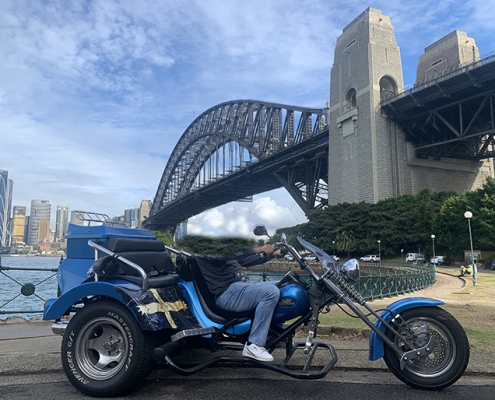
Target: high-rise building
40	210
131	217
74	217
18	224
144	211
118	220
26	229
6	187
61	223
43	230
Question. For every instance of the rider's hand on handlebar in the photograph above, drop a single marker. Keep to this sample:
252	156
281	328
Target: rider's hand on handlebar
269	250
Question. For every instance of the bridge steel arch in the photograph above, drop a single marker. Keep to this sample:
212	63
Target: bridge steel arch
240	148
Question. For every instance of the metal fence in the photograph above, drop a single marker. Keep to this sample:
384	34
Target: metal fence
21	284
377	281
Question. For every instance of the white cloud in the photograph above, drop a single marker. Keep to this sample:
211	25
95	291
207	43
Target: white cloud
273	209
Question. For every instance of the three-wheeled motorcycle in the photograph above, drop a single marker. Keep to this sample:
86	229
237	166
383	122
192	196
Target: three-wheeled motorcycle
129	304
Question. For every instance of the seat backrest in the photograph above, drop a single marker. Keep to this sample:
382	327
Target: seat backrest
119	245
208	303
152	262
150	255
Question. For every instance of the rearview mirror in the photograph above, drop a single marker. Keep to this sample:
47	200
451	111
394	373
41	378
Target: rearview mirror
260	230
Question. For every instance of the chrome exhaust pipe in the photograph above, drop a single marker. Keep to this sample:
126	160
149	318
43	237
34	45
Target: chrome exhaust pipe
59	327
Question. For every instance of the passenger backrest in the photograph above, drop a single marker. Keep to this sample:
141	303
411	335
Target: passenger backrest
150	255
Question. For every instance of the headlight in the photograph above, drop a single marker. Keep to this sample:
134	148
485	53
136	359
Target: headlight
350	271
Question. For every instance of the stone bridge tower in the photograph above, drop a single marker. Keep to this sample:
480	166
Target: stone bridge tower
369	158
364	146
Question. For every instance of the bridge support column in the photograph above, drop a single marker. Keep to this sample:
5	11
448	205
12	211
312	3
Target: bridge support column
366	155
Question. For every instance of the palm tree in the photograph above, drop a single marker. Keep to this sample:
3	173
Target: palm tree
345	242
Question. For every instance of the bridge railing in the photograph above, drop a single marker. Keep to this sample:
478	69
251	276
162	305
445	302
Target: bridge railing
377	281
445	74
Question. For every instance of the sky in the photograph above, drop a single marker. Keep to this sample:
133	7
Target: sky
94	95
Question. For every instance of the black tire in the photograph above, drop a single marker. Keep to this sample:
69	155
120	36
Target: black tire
104	351
449	357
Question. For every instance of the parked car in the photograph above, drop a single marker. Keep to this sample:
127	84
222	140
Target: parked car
438	260
370	258
289	257
489	265
415	257
336	258
310	258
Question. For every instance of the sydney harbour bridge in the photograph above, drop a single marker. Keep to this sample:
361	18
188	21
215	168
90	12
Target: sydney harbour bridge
240	148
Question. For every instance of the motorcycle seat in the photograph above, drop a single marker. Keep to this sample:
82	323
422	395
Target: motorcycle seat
207	301
154	281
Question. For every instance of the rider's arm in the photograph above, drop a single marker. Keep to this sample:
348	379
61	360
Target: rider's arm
258	255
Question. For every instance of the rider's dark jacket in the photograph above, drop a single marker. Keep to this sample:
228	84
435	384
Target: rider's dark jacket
221	272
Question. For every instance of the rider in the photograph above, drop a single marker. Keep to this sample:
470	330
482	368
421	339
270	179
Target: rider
232	291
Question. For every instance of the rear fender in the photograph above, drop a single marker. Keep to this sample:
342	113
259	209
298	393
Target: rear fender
56	308
377	346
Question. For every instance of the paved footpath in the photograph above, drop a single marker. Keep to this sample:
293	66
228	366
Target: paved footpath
29	347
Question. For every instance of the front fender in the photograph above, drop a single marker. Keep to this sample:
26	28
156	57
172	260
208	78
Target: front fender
377	346
57	307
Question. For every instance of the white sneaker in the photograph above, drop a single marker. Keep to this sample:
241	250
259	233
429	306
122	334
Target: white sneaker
257	352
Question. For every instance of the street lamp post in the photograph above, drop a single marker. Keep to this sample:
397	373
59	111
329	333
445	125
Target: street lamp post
333	243
379	251
468	215
433	240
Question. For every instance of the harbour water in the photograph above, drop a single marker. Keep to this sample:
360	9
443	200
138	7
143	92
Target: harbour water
23	292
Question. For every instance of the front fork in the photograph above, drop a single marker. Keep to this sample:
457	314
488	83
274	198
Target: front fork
349	296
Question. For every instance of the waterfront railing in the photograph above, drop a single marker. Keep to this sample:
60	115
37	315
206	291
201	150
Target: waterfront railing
24	286
377	281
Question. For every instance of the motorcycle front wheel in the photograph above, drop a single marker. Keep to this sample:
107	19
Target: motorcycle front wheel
104	351
449	349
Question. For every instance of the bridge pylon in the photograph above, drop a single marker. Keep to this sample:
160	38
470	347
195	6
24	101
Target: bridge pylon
372	155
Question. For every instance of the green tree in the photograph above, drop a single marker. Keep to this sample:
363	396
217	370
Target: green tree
345	242
215	246
166	238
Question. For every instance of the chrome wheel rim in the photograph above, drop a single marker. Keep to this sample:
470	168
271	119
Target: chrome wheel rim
101	349
442	351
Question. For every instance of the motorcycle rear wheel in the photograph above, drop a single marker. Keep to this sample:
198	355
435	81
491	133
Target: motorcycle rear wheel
104	351
449	355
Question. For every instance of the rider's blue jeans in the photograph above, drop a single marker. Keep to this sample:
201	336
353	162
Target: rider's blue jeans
245	296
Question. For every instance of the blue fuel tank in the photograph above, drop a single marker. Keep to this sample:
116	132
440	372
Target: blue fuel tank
293	302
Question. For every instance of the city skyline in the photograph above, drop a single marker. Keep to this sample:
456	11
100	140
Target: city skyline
18	225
